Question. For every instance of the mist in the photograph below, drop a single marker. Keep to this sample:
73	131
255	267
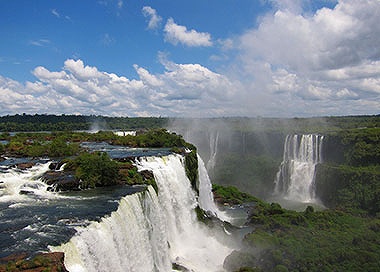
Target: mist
242	152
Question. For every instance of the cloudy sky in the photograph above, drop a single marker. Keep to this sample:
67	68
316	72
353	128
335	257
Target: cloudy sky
271	58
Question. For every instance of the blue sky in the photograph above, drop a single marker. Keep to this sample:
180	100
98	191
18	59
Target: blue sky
190	58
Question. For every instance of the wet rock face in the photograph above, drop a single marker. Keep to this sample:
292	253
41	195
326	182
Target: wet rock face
53	262
24	166
61	180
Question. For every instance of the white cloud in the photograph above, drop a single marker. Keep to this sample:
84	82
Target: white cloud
40	42
59	15
182	90
107	39
294	6
312	64
154	18
180	34
55	13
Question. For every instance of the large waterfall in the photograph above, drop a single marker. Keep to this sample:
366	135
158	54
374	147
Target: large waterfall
149	231
295	178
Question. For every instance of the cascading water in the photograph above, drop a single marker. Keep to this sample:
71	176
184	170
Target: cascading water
295	178
16	185
206	197
214	139
149	231
133	238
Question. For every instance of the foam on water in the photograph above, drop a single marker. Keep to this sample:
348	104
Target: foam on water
149	231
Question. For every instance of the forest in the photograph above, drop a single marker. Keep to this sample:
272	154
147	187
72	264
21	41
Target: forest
49	122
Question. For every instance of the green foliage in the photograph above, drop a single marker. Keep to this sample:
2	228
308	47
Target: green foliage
231	195
60	148
361	146
191	167
284	240
64	122
41	262
327	240
248	269
128	174
152	138
257	171
95	170
349	187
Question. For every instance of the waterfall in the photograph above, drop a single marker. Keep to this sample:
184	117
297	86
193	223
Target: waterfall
206	197
149	231
295	178
214	139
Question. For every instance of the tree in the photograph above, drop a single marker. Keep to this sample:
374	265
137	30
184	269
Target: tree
95	170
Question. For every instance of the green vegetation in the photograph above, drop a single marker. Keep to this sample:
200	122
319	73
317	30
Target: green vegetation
349	178
44	262
349	188
44	122
257	170
231	195
94	170
38	145
97	169
191	167
152	138
285	240
128	174
63	144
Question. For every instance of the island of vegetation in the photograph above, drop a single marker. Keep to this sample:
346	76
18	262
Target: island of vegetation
83	169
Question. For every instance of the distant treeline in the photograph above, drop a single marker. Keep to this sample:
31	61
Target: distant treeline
44	122
50	122
283	125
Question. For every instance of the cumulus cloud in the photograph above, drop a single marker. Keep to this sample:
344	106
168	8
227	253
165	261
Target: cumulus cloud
182	90
320	63
180	34
154	18
292	63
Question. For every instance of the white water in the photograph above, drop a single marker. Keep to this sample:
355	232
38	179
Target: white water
206	197
13	181
148	232
214	140
295	178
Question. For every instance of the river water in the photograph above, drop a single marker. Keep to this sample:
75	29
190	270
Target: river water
148	231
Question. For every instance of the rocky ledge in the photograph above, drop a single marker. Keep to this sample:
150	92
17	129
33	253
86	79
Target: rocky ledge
52	262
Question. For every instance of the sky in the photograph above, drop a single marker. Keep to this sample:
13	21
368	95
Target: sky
176	58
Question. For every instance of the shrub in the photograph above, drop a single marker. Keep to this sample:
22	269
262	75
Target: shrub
95	170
